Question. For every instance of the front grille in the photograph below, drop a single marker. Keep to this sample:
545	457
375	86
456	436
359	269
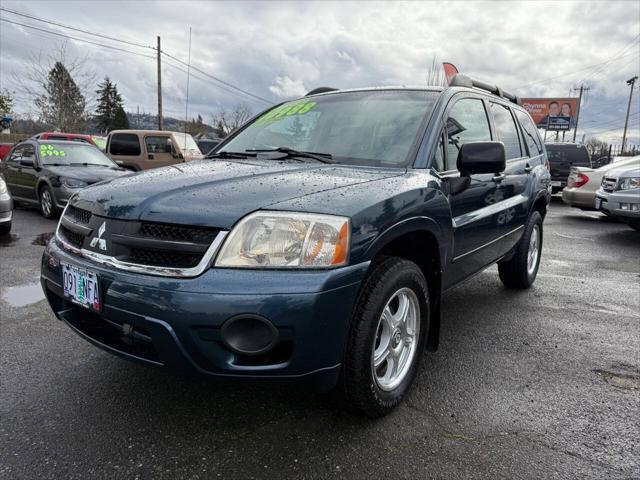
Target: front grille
609	184
78	214
161	258
141	243
72	238
178	233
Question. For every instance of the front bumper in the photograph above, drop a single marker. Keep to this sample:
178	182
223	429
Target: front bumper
62	194
6	208
612	203
176	323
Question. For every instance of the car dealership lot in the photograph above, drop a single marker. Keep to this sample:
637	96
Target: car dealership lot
543	383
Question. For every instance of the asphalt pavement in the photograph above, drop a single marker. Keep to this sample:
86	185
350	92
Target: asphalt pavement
543	383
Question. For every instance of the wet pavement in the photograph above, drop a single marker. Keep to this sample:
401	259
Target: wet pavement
537	384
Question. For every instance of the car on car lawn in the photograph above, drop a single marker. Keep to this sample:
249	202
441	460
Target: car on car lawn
583	182
619	195
271	262
45	173
94	140
563	156
145	149
6	208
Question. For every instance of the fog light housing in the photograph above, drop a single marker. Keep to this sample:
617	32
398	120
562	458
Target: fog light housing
249	335
634	206
624	206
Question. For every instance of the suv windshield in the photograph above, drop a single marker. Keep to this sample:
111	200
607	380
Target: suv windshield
73	154
369	128
185	141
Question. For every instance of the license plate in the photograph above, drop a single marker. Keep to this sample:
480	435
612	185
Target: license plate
555	183
598	203
81	286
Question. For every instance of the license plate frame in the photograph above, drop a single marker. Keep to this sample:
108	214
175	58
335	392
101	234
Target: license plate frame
556	183
76	281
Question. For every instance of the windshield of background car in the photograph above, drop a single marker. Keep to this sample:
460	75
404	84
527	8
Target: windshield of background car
368	128
73	154
574	156
186	142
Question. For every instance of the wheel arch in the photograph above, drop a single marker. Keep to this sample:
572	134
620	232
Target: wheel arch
419	240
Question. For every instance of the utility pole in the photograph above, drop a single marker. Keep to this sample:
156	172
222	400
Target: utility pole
575	130
631	82
159	87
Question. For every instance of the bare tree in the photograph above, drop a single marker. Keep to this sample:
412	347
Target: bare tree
34	82
435	73
228	121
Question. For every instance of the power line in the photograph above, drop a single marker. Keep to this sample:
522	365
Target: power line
610	122
268	102
615	57
545	80
50	32
596	130
50	22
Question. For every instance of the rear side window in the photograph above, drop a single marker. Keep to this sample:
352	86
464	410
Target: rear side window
530	133
57	137
467	122
506	130
159	144
124	144
16	155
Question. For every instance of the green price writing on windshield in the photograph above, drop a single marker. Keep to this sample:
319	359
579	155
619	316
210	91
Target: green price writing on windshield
50	151
296	108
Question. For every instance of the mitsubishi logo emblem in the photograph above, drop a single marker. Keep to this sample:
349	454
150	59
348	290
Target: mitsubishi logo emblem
98	240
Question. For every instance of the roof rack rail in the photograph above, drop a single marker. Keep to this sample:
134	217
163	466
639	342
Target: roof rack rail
315	91
460	80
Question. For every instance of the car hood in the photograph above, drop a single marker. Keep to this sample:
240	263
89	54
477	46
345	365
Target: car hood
87	174
219	193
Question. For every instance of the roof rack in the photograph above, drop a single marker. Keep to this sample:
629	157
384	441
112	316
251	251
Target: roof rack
460	80
318	90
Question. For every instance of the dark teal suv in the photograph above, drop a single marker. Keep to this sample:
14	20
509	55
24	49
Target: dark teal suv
314	244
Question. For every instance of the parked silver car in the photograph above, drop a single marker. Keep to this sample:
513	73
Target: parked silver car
619	196
583	182
6	208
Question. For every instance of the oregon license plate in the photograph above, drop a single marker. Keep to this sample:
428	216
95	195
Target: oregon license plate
81	286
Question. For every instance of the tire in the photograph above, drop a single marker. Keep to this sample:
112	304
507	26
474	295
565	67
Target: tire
5	228
521	269
363	388
47	203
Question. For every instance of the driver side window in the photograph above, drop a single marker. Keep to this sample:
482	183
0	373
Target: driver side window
467	122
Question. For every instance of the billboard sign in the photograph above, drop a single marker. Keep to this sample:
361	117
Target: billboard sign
552	112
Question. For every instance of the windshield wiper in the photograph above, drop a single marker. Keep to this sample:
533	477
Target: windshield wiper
85	164
225	154
290	152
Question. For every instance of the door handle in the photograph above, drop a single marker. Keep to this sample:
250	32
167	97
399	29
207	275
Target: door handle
528	168
150	156
499	177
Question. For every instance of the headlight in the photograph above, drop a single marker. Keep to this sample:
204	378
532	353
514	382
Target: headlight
73	183
3	186
629	183
286	240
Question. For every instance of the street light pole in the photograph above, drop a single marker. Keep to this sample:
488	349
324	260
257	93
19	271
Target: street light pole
631	82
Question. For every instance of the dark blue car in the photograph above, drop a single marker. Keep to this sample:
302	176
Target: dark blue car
314	244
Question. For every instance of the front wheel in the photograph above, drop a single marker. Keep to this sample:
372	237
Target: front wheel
5	228
521	269
386	339
47	203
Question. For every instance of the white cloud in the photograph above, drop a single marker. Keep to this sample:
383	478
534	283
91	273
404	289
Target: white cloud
286	87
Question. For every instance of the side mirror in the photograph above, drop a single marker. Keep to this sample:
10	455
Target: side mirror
178	155
481	157
27	162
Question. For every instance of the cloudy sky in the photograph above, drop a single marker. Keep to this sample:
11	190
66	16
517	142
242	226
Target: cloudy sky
279	50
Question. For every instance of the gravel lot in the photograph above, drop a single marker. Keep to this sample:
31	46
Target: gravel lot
537	384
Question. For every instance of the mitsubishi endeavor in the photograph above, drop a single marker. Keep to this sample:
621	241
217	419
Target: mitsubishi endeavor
314	244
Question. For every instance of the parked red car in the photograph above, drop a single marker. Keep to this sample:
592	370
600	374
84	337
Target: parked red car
4	149
98	141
